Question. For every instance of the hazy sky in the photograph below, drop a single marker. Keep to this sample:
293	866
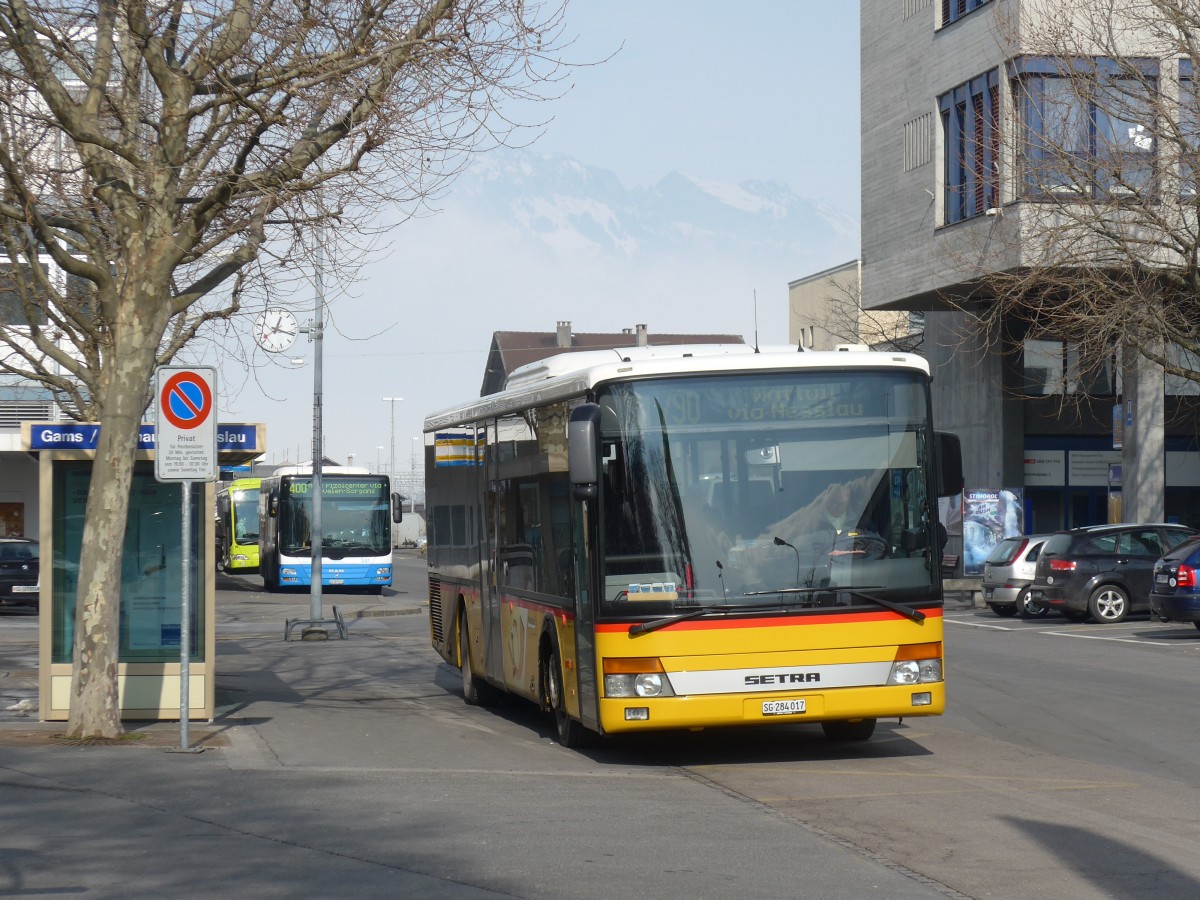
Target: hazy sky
693	89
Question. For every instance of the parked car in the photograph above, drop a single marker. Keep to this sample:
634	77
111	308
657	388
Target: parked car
1102	571
1175	594
1008	573
18	571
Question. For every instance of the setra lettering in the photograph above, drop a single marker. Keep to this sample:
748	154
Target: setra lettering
783	678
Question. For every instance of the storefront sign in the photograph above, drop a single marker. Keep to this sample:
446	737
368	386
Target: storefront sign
1045	468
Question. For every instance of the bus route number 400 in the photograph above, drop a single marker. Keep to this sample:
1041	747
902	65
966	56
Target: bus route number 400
782	707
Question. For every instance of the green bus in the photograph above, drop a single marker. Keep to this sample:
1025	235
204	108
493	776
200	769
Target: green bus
237	525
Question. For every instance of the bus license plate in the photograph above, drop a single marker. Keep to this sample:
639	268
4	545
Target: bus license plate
782	707
336	581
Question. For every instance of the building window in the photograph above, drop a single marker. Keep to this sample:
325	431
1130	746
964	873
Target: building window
12	312
971	134
953	10
1088	129
1054	367
1179	385
1189	130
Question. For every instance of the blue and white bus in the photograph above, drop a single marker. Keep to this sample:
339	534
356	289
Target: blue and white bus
357	511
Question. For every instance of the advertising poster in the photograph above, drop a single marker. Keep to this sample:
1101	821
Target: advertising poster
989	515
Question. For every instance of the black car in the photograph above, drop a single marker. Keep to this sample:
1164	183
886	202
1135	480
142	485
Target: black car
1102	571
1175	596
18	571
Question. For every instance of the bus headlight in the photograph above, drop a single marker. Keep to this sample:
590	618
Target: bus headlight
636	677
383	570
915	671
647	684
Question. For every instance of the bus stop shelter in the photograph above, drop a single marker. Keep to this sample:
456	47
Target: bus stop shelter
149	667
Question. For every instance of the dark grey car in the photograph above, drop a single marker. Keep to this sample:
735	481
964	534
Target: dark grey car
1103	571
18	571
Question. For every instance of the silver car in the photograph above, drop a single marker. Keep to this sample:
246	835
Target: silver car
1008	573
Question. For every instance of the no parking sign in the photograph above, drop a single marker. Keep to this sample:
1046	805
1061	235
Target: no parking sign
185	442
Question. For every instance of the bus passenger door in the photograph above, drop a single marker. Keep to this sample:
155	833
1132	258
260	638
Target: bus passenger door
586	593
489	594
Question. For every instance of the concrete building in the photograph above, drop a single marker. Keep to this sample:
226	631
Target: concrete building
945	99
825	310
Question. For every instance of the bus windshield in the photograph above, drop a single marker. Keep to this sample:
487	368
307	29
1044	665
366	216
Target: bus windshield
245	516
806	488
355	516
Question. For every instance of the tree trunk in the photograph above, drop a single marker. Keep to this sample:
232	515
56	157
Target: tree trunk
94	711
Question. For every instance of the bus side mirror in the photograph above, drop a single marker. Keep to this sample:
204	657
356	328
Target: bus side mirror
949	465
583	451
397	507
273	504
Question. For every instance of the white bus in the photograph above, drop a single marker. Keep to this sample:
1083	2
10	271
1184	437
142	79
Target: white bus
357	511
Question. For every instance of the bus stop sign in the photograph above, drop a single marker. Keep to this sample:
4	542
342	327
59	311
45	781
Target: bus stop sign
185	440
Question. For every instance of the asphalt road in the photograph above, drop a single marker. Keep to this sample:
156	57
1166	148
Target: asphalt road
1062	769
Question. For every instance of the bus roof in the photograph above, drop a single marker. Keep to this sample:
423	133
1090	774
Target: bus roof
572	374
306	469
239	484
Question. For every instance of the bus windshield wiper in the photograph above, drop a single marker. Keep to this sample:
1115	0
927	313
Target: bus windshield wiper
655	624
907	611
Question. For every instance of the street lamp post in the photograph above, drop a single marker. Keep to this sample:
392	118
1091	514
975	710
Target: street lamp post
413	491
392	458
313	628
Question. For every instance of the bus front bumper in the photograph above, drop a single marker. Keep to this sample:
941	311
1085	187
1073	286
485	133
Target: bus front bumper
723	710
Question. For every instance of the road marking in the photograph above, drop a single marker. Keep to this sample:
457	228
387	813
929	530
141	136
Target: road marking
978	625
1096	637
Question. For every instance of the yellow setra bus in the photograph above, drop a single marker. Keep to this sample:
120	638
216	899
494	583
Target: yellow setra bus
692	536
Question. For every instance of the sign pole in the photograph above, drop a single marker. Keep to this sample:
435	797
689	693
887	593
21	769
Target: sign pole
185	619
185	450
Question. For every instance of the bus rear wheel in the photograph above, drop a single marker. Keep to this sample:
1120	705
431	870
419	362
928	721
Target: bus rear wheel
476	692
849	731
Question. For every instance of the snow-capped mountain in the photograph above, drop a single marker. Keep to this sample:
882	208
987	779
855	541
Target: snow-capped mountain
568	205
526	240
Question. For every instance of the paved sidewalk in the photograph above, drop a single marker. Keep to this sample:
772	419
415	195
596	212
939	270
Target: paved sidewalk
242	609
354	769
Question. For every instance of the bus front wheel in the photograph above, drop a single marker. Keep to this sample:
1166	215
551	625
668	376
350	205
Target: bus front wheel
571	734
849	731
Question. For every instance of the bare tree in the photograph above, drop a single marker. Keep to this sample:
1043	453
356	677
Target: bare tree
1102	146
170	156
